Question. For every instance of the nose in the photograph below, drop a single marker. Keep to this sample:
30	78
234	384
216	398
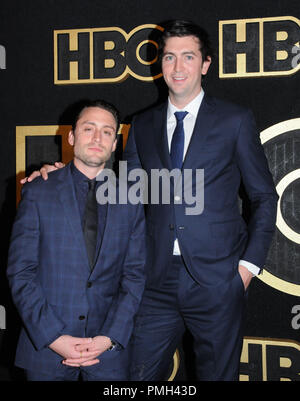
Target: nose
97	135
178	65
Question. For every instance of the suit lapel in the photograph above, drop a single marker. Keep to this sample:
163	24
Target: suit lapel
67	198
203	126
102	218
104	222
201	130
160	135
106	219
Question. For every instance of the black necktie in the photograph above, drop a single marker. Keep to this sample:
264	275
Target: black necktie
90	222
177	144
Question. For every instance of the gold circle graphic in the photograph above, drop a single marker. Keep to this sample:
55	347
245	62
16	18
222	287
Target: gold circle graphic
176	362
144	42
265	136
281	224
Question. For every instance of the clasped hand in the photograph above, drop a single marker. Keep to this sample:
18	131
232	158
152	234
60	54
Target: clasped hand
80	351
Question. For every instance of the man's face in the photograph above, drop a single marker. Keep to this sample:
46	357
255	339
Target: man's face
94	138
182	68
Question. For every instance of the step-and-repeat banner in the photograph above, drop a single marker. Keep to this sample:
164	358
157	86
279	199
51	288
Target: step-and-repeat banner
54	54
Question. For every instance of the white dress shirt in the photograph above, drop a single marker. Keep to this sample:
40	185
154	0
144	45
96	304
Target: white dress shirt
188	124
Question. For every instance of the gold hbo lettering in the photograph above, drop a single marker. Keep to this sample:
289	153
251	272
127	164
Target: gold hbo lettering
265	359
101	55
259	47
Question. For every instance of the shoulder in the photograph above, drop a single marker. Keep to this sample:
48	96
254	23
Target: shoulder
39	186
225	106
228	114
149	113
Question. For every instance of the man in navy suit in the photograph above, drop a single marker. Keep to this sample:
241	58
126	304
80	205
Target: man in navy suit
199	266
77	311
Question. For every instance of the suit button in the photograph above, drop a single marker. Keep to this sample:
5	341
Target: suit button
89	284
171	227
81	317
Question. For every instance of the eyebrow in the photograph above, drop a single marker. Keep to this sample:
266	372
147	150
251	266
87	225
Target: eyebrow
185	52
92	123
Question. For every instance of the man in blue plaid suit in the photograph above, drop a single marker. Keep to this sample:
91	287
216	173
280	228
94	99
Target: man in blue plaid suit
75	313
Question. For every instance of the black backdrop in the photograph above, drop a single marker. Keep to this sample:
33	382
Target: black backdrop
29	97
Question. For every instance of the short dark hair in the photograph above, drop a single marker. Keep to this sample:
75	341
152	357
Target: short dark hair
101	104
181	28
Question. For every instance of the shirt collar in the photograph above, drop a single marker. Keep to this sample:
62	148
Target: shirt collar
192	107
78	176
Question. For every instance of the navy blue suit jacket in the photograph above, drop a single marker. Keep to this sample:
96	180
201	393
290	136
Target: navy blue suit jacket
51	281
225	143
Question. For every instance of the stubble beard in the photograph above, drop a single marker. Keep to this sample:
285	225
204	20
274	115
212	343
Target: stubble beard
91	161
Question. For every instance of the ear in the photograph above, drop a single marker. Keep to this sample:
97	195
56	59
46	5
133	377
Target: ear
71	138
206	65
115	144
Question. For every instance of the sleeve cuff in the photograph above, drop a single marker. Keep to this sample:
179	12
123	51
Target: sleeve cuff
250	266
116	346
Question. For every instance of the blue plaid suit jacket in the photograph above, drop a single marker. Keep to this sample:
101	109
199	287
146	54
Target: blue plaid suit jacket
52	285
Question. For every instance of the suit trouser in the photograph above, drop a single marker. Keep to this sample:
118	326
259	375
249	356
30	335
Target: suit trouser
212	314
73	374
113	366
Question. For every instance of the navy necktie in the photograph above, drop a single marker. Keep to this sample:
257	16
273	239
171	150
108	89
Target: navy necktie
90	222
177	144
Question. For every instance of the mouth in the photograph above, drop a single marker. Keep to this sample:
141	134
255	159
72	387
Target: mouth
95	149
179	80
